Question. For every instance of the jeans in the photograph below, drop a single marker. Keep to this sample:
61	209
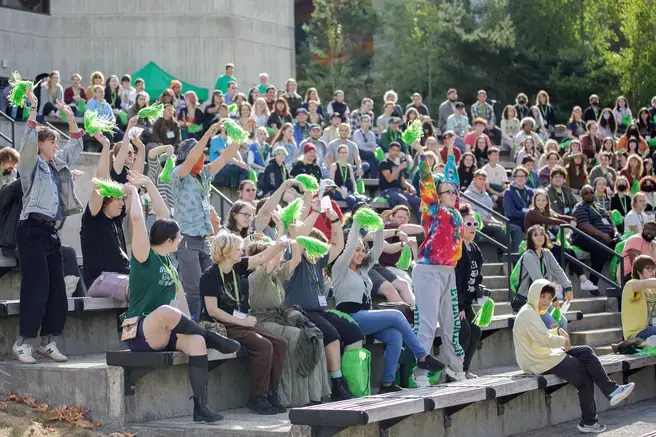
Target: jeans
392	328
582	369
573	268
351	199
72	268
398	197
647	332
598	258
370	158
193	259
470	336
549	320
43	300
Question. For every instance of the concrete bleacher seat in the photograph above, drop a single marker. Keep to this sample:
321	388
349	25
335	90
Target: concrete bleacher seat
400	413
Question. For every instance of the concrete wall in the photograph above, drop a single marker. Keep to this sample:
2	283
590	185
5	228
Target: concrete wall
192	43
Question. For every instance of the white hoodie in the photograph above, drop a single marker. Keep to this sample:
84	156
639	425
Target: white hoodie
537	348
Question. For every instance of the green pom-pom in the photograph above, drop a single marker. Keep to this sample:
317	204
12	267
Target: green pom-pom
165	175
557	315
292	212
313	247
19	89
380	155
309	182
405	259
484	315
93	123
647	352
413	133
368	219
152	112
479	219
123	118
195	128
616	217
252	175
266	239
107	188
232	109
234	132
342	315
360	186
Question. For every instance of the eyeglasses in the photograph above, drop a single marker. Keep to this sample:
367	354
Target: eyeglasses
246	214
451	192
471	224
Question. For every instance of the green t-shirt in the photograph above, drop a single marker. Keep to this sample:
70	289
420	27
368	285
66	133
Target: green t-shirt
152	284
262	88
222	83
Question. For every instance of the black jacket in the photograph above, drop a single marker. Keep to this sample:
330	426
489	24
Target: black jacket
469	275
301	167
271	179
11	203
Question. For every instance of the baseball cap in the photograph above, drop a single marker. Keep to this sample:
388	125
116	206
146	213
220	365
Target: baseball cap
395	120
299	110
460	105
315	126
481	92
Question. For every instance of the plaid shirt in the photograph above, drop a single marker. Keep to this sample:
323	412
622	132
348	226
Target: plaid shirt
485	111
355	119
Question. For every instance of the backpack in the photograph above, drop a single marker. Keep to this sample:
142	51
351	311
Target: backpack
518	300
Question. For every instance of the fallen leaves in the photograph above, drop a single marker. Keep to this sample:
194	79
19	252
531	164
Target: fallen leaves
74	416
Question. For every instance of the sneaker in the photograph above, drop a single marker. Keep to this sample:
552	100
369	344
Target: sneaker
50	351
421	381
274	400
261	405
431	364
595	428
23	353
454	376
470	375
587	285
389	389
622	392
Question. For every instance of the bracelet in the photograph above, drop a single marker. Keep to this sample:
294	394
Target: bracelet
396	232
335	221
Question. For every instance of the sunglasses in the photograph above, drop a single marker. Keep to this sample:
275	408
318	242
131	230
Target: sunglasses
451	192
471	224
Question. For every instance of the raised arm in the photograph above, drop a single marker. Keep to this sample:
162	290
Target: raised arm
102	172
197	152
342	262
119	160
262	218
140	159
29	149
427	188
226	156
140	240
266	255
376	250
156	202
336	235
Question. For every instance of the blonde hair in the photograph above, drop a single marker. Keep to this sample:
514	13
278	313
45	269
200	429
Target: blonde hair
223	245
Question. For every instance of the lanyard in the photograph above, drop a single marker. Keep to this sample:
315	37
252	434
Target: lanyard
113	100
344	172
201	184
622	200
595	209
283	171
227	291
117	237
544	111
602	201
315	279
579	126
281	120
596	113
279	291
543	269
169	270
520	196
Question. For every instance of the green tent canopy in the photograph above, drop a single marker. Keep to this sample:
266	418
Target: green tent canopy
157	80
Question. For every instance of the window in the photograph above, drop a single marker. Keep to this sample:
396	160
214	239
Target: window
40	6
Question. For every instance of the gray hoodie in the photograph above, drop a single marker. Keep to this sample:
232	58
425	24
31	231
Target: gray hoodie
482	197
531	271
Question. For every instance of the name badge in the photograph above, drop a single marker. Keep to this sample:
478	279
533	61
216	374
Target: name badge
170	134
238	314
206	204
322	301
524	209
605	221
565	210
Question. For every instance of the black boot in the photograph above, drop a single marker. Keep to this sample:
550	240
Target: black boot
341	391
262	406
212	339
203	413
274	400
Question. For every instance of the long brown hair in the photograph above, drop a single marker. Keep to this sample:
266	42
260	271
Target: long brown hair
529	238
547	209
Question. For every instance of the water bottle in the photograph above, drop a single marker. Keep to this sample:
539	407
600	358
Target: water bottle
451	171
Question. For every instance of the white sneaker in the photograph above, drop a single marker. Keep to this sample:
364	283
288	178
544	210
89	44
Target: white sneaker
587	285
470	375
71	284
591	429
51	351
455	376
23	353
622	392
421	380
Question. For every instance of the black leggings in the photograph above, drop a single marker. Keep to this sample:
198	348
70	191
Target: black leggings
335	327
573	268
470	336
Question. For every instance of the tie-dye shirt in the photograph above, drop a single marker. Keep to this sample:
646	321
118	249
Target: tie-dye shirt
443	226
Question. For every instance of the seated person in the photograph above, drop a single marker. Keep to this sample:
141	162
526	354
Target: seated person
561	197
342	173
533	180
604	170
352	287
392	181
621	200
596	223
541	351
469	275
275	173
304	375
449	148
517	198
635	310
226	301
124	156
497	178
552	159
458	123
636	246
492	226
479	131
392	135
308	163
397	223
636	218
97	103
539	263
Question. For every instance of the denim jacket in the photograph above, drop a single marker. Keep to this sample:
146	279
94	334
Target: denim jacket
36	180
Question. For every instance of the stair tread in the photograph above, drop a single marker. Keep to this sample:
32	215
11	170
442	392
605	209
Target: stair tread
597	331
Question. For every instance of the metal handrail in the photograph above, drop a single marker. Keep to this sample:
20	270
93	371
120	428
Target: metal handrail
598	245
13	130
52	126
224	199
486	209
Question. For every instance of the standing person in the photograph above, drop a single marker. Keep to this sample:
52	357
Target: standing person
546	110
541	351
190	182
338	106
48	197
622	114
353	287
469	275
223	80
294	100
593	111
392	181
482	109
447	108
434	276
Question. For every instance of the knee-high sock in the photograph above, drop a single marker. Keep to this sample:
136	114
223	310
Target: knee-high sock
198	375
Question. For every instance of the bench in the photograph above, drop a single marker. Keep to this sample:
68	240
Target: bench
389	409
75	304
136	365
